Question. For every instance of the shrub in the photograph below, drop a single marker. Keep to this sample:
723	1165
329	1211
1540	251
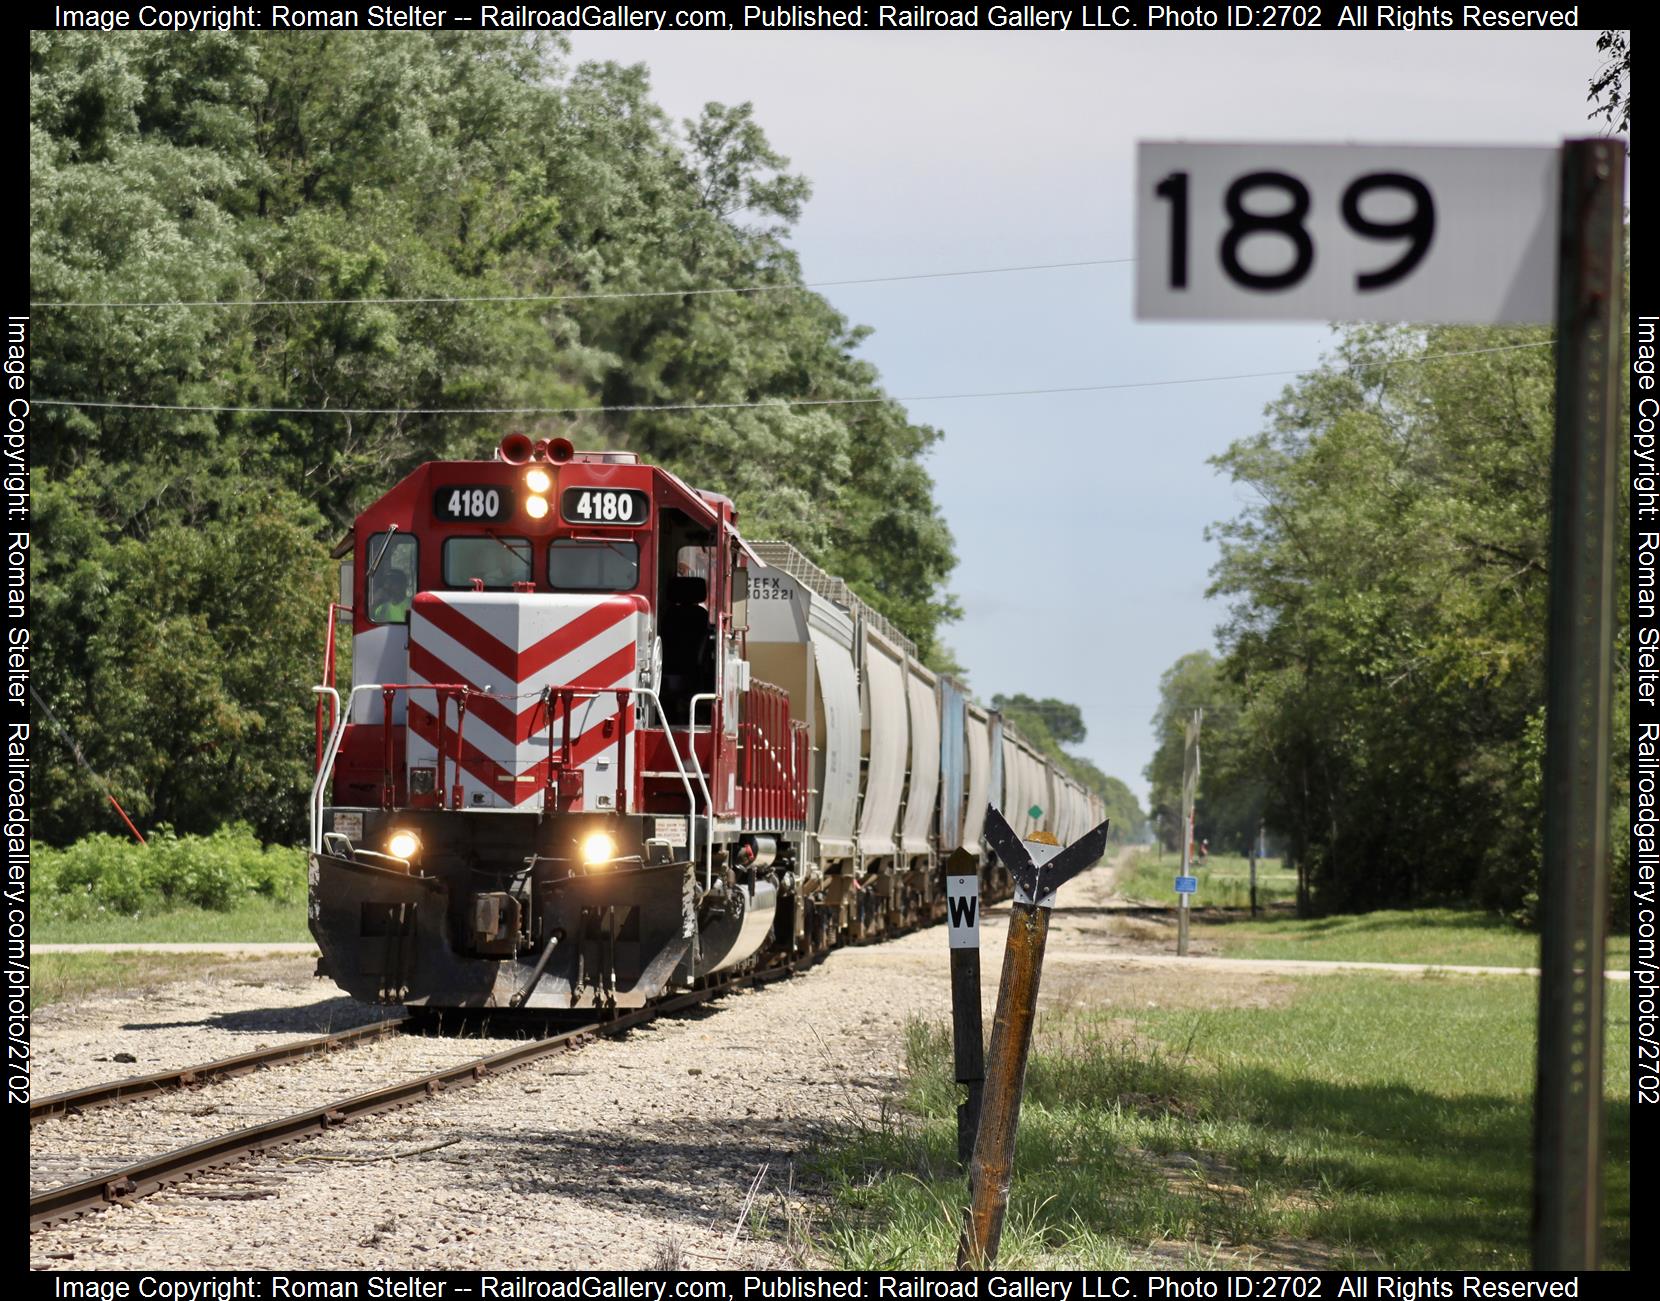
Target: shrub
217	871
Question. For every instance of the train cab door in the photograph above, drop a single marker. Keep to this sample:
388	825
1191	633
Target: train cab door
686	621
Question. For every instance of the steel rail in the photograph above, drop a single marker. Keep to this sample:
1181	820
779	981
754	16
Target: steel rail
143	1086
142	1178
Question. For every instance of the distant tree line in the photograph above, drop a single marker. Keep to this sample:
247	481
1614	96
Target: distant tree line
1379	694
1050	725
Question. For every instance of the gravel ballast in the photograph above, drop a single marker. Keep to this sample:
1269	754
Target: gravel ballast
632	1152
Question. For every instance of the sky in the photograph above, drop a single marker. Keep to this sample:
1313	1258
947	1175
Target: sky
1079	518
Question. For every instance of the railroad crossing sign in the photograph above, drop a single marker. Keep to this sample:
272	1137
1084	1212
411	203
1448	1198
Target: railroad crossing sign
1346	232
1038	871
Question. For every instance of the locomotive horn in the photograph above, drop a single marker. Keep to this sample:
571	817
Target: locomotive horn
560	450
515	449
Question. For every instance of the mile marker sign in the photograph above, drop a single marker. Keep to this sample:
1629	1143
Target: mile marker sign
1346	232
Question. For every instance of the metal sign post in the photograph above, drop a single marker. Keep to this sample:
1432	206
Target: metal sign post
1573	886
1038	871
962	905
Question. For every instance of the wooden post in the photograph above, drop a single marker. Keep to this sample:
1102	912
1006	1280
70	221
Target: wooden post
1573	885
1039	868
1011	1044
962	904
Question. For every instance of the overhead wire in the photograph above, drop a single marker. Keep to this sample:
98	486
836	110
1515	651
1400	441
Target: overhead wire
645	407
589	296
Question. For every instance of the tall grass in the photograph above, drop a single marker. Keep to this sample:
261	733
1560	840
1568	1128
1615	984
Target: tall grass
1373	1122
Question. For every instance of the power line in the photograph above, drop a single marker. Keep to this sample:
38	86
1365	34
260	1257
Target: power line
770	402
587	297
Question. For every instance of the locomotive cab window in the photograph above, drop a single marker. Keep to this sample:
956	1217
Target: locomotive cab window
390	569
495	562
581	565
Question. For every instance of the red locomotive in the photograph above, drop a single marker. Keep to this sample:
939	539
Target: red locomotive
558	779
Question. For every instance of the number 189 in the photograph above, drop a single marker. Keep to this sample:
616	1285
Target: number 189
1285	220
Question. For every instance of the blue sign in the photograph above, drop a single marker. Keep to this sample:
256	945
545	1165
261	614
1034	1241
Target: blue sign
1187	885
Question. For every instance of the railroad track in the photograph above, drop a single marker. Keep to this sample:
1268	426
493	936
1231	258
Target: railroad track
75	1101
129	1183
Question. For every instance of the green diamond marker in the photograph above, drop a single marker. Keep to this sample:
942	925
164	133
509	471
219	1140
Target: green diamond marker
1034	812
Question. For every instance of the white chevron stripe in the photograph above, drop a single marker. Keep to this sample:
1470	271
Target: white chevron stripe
562	672
522	621
517	618
479	735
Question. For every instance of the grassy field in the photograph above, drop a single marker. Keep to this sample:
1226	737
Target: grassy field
254	920
1450	936
62	977
1224	881
1362	1122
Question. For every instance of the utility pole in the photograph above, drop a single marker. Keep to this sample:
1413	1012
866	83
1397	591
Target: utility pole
1190	789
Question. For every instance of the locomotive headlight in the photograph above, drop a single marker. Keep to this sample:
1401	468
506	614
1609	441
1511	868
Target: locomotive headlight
404	845
538	480
536	507
598	848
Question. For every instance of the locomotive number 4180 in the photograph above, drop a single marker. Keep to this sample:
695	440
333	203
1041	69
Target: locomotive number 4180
473	503
605	506
1341	232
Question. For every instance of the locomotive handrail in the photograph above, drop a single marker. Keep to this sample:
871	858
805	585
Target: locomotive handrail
343	719
697	767
335	608
325	765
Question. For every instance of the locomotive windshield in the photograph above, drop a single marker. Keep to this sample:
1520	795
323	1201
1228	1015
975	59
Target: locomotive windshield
391	581
581	565
496	562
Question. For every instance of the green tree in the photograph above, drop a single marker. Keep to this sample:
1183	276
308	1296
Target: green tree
1229	804
478	167
1065	722
1611	86
194	653
1387	626
1035	721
